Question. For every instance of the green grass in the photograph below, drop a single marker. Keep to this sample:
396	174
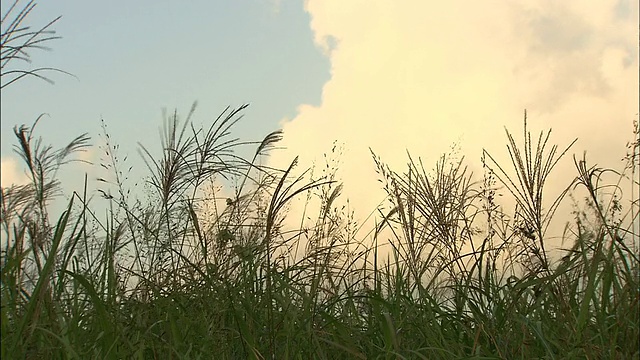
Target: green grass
179	271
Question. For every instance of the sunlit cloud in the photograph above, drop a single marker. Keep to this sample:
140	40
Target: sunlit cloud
11	173
421	76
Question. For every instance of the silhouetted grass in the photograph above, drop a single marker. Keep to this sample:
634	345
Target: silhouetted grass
183	271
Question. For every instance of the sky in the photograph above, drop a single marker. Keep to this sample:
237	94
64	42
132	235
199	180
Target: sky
390	76
131	60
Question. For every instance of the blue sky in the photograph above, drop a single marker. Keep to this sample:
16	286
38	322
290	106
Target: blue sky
134	58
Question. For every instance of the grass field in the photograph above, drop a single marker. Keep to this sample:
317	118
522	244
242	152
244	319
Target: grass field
181	271
185	269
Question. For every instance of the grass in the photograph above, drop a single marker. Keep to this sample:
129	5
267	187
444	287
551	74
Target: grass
182	271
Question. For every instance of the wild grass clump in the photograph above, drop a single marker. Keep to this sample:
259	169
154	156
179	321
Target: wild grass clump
187	270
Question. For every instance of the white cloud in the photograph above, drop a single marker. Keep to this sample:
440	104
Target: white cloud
421	75
11	173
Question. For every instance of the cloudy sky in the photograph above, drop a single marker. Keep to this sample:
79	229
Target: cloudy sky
132	59
393	76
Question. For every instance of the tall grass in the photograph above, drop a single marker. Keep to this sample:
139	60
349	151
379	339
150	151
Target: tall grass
18	39
185	270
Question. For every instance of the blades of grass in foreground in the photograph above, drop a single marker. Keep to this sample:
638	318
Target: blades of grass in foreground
44	278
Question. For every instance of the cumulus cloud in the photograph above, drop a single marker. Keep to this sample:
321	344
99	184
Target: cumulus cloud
421	76
11	173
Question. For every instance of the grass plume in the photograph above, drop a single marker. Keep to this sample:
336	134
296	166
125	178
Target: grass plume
186	272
